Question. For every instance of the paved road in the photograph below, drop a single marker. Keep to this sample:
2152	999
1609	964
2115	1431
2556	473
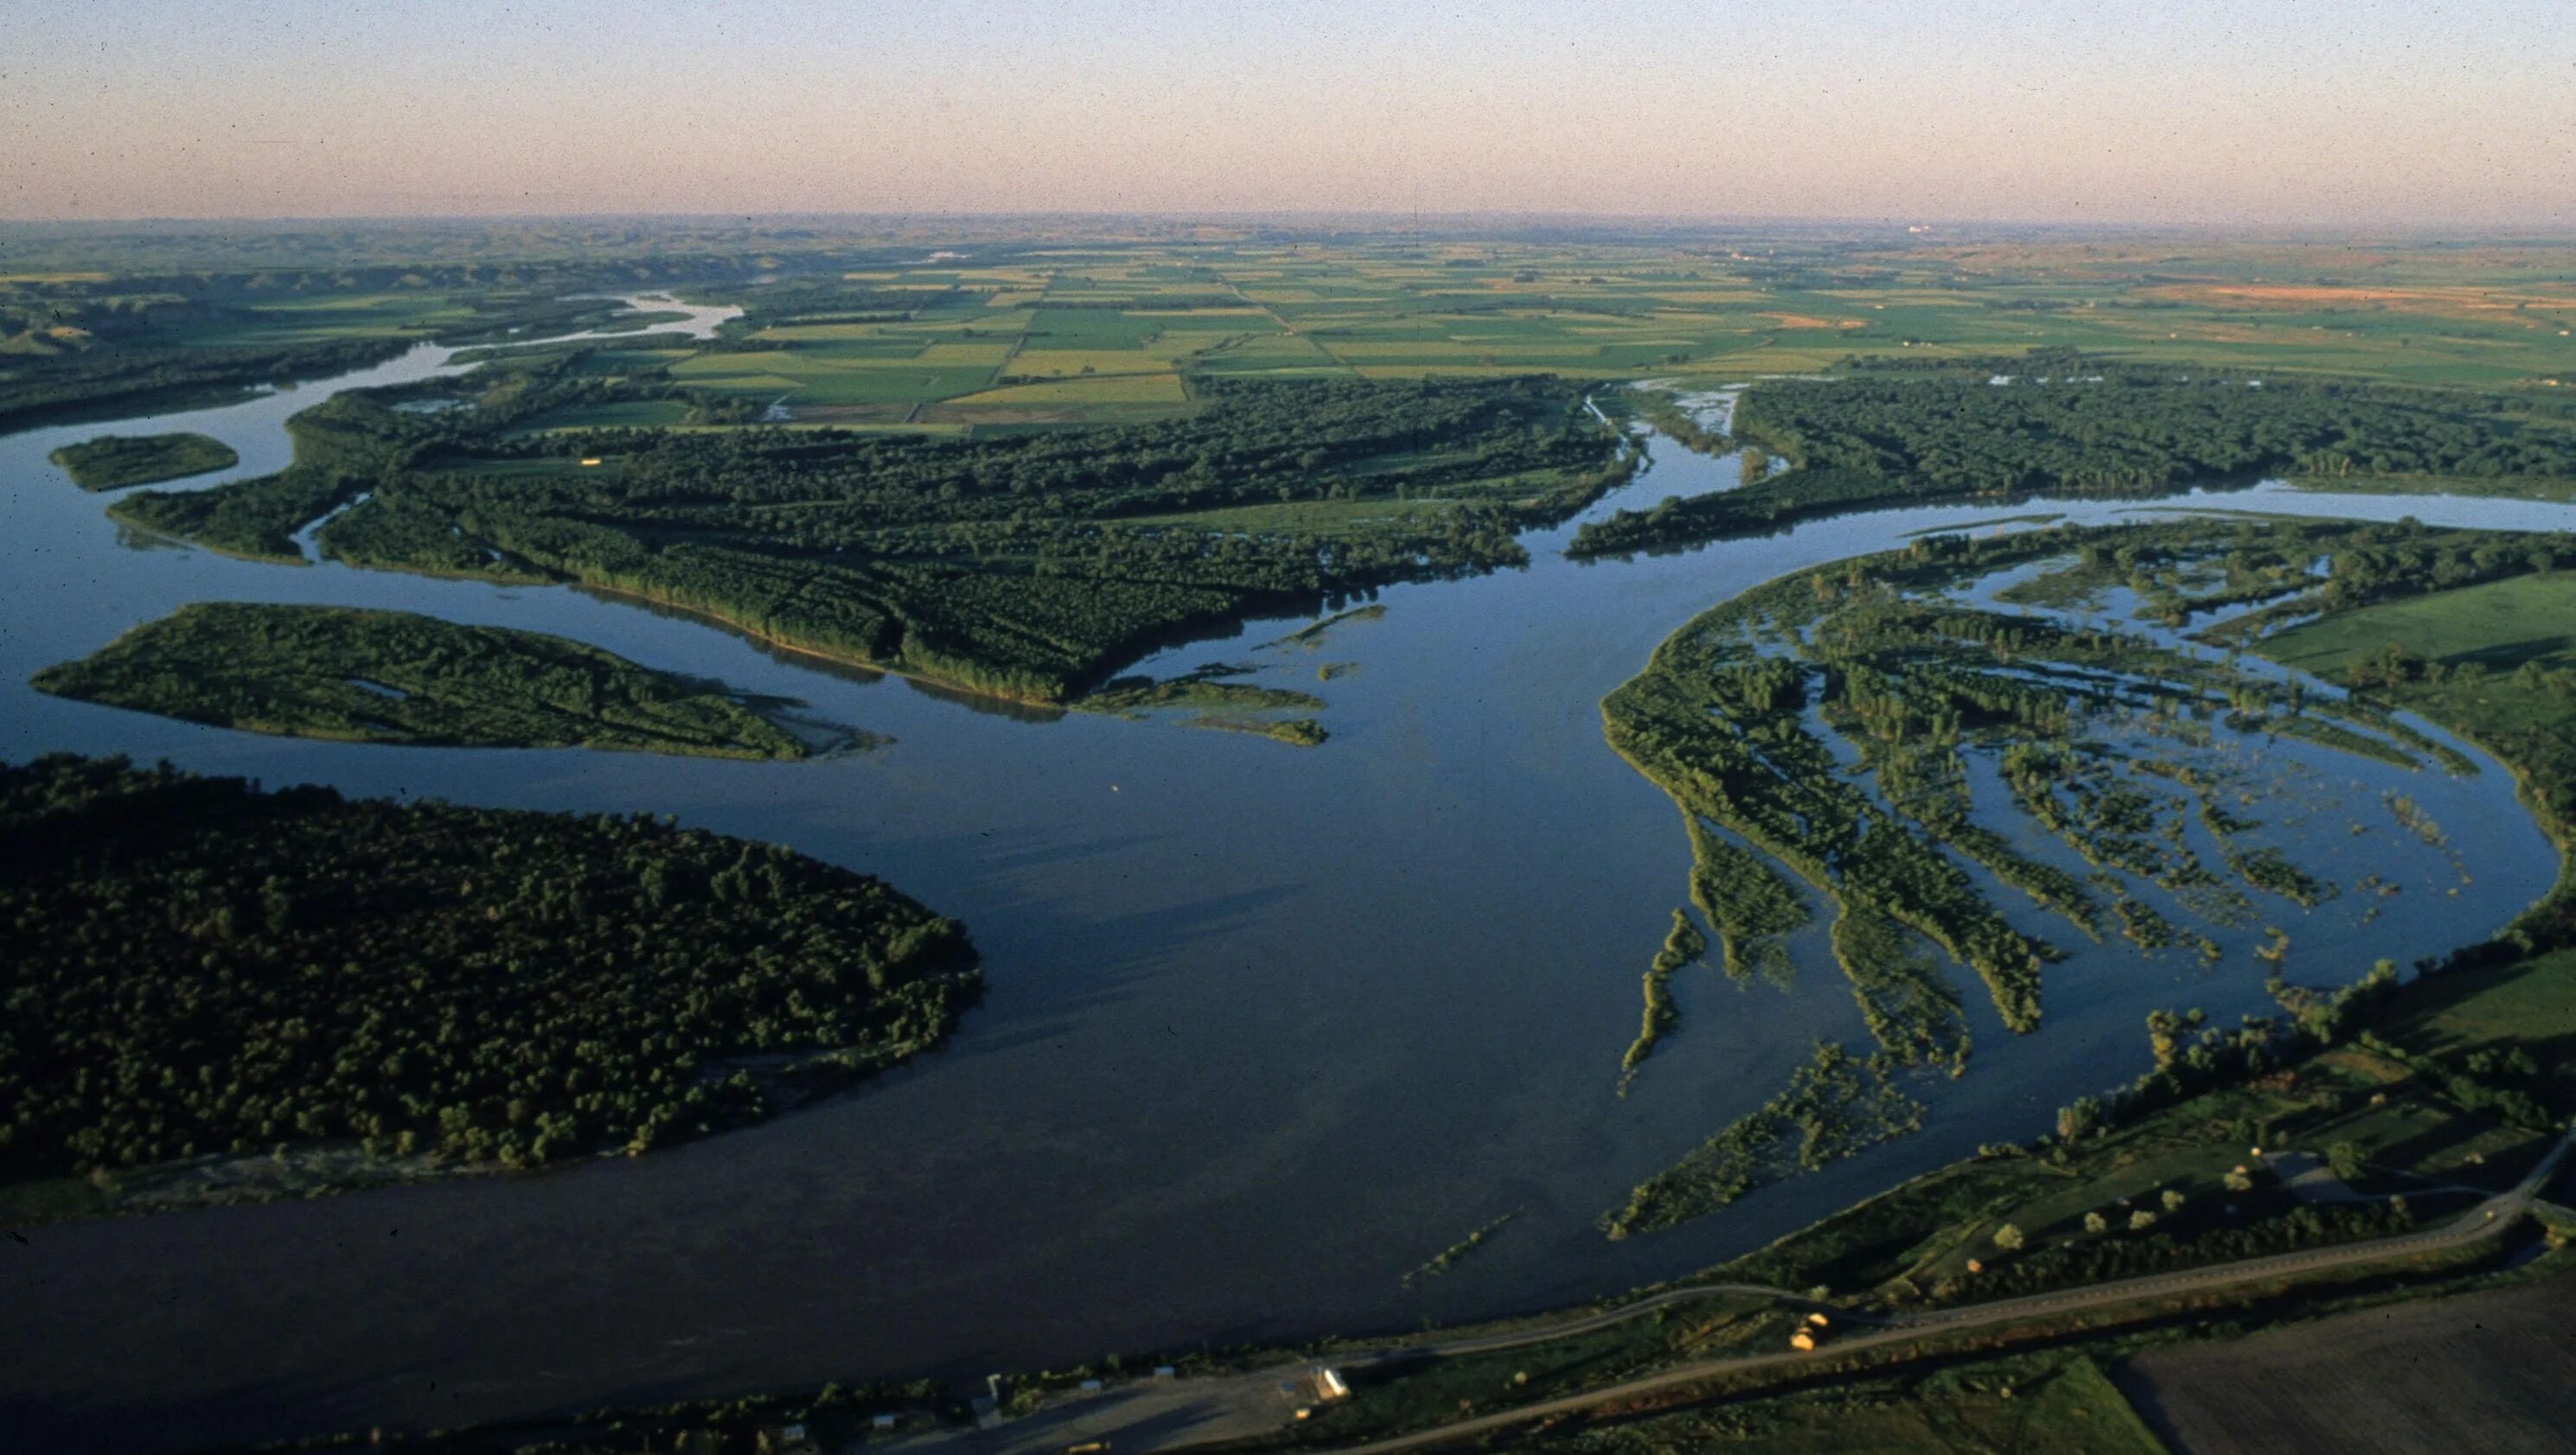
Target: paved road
2480	1222
1697	1293
1173	1414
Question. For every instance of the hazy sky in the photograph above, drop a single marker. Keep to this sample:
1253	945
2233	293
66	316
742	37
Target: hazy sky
2254	111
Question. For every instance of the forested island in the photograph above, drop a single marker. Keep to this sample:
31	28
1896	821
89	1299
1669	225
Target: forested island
113	462
197	968
1883	433
1027	565
397	677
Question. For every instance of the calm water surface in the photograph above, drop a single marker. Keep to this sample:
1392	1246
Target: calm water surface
1265	1027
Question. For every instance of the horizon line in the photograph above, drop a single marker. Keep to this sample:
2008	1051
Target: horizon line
2535	229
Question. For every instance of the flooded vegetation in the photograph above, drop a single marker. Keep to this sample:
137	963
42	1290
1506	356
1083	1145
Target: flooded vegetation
1844	722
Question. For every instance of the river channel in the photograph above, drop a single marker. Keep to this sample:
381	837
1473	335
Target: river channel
1265	1027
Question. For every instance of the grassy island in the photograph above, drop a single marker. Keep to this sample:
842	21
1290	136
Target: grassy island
394	677
199	969
1214	702
113	462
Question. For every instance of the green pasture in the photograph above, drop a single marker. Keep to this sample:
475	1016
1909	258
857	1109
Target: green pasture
2499	626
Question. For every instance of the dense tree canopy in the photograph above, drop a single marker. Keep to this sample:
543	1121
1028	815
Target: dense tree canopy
2131	427
191	965
397	677
1029	565
1884	434
132	380
113	462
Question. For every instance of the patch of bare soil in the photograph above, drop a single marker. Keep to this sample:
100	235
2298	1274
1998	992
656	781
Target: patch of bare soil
2490	1372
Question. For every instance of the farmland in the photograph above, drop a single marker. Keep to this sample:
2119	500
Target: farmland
2485	1371
2500	626
1016	332
2052	1407
1104	322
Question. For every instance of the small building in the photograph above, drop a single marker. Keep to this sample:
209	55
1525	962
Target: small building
1165	1371
1091	1386
885	1422
1329	1385
1803	1340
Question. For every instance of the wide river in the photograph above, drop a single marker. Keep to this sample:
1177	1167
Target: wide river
1266	1027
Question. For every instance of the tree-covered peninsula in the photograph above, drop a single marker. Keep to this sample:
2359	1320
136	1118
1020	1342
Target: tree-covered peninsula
1028	565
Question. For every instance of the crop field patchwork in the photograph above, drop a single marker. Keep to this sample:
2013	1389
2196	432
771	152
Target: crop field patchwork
916	342
1035	363
1102	389
1679	309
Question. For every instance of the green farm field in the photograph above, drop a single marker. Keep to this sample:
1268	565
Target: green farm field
1623	310
2500	626
947	342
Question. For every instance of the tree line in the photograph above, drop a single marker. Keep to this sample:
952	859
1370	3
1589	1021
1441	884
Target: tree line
1887	432
1027	565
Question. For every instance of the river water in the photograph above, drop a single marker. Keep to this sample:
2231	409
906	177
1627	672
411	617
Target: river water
1265	1027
